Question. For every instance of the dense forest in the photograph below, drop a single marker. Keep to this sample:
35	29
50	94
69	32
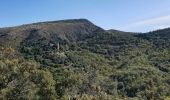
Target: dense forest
77	60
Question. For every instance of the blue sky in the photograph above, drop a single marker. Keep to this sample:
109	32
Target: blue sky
126	15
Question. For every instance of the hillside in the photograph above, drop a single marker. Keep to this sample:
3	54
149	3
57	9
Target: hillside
78	60
68	30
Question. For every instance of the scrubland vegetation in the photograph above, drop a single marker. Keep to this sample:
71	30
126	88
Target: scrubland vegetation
102	65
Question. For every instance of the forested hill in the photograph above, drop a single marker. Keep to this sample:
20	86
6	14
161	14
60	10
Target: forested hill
77	60
68	30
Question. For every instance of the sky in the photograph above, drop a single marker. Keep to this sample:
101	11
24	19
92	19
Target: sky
124	15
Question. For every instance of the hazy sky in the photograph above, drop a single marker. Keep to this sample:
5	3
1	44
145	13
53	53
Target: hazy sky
126	15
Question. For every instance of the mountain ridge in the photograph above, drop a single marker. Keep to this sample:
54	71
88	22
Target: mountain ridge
78	60
69	30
